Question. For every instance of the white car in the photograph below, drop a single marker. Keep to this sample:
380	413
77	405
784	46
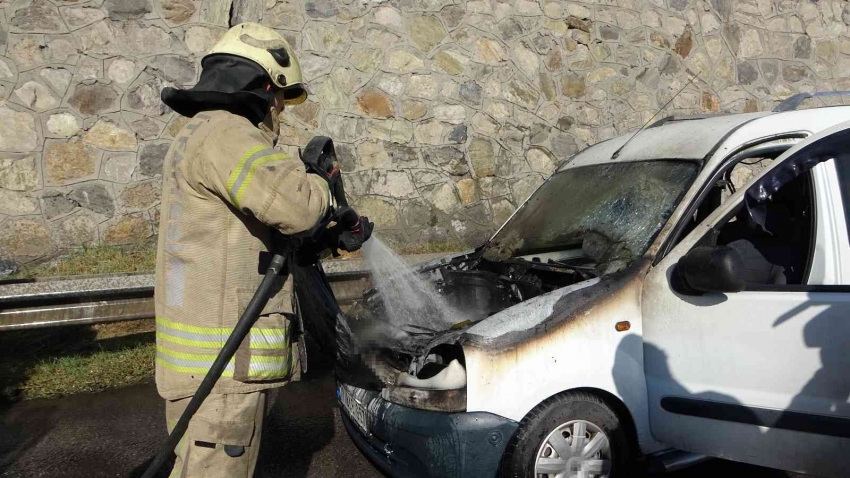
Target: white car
682	295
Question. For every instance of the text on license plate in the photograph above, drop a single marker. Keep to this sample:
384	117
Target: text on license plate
355	409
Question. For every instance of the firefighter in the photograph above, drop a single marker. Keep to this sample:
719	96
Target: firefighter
227	196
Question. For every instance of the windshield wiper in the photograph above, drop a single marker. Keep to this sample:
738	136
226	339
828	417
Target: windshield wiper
553	262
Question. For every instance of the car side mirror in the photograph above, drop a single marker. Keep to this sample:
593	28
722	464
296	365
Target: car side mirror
711	269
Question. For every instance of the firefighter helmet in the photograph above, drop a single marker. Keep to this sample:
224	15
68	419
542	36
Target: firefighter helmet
271	51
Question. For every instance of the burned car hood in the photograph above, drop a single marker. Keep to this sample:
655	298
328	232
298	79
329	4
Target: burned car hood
541	314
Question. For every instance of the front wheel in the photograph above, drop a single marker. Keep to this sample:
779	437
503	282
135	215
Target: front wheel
571	435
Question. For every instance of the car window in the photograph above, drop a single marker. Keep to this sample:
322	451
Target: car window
779	250
724	187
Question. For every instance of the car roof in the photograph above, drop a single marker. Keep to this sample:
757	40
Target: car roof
694	139
699	137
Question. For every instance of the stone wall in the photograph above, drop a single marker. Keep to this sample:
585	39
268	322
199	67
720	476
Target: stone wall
447	113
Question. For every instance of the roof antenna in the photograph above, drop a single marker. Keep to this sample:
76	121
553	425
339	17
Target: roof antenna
621	148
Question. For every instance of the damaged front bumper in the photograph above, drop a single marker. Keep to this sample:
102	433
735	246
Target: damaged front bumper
407	442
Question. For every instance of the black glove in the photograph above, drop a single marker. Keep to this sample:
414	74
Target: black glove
319	157
350	239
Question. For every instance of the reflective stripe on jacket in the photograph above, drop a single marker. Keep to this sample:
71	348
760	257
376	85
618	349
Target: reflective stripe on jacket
225	192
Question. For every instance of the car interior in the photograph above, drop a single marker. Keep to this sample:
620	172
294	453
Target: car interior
777	252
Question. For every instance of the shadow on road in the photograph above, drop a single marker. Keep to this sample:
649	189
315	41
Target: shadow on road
300	423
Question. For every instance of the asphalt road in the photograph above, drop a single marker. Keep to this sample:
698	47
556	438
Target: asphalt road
116	434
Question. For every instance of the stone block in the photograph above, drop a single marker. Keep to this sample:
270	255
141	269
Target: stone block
247	11
14	203
94	99
119	167
55	203
326	38
468	191
389	17
471	92
79	230
540	161
367	59
139	39
395	184
443	197
24	240
78	17
19	173
522	94
284	15
200	39
17	130
98	39
426	31
68	162
109	136
129	229
423	86
794	72
379	210
452	114
146	128
127	9
39	17
173	68
447	158
398	131
482	157
94	197
413	110
320	8
391	84
216	12
372	155
374	102
458	134
27	51
62	125
56	78
402	156
122	71
140	196
307	113
145	97
36	96
450	62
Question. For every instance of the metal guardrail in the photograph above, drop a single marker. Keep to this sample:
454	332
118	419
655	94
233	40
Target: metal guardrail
95	300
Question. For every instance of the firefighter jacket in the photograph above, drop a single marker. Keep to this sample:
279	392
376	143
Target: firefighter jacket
225	192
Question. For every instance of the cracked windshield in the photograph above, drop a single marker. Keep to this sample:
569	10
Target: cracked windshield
603	216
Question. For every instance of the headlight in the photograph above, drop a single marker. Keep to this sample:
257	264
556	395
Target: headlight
452	377
436	381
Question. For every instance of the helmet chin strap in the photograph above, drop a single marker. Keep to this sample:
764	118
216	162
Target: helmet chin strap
272	121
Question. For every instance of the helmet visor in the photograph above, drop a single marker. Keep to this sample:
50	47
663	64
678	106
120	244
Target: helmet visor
295	94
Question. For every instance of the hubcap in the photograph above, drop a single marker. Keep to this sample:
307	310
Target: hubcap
576	449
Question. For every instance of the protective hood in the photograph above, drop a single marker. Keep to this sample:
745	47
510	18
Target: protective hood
228	83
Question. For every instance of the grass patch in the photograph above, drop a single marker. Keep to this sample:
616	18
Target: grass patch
89	373
52	363
95	261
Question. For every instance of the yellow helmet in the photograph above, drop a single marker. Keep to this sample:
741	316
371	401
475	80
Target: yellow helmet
269	49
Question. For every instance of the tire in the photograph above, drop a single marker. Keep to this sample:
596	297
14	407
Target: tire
569	413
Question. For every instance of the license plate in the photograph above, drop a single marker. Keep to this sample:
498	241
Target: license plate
356	410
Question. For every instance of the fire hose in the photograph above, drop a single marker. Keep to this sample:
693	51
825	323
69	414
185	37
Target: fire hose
346	219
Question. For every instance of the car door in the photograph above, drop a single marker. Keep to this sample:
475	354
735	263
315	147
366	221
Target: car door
761	375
